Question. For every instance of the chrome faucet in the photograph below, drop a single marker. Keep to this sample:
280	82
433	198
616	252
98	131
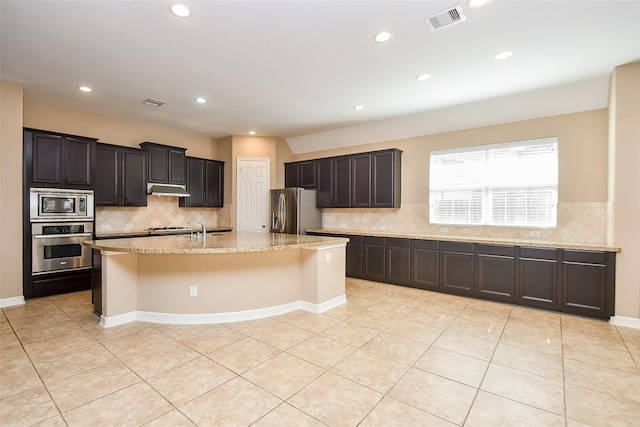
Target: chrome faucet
204	233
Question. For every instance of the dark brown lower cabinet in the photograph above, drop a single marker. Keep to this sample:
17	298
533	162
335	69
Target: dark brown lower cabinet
496	271
537	283
374	258
585	279
425	259
398	261
457	267
354	256
570	281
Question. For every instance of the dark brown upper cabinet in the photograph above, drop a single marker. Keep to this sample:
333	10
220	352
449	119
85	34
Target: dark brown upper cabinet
363	180
341	182
386	178
300	174
121	178
205	183
166	164
292	175
58	160
324	183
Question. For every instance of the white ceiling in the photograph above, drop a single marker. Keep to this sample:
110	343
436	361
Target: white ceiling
295	69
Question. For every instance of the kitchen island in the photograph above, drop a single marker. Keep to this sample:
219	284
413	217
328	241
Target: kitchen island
227	277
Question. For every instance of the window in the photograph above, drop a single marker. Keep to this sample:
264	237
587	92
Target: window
510	184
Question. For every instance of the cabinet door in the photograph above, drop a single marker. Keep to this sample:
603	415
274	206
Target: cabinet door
107	166
134	177
354	256
374	258
292	175
46	157
361	181
78	161
398	254
195	183
158	164
457	267
496	272
308	174
214	184
385	179
537	283
587	286
341	182
177	166
425	264
324	183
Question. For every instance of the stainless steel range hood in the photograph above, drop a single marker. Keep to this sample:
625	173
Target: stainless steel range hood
167	190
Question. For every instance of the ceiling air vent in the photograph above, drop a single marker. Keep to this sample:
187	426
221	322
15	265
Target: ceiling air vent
153	102
446	18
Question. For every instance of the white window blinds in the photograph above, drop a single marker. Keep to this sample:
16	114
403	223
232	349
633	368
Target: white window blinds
510	184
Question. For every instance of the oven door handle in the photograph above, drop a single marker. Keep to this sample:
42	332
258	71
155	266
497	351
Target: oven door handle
56	236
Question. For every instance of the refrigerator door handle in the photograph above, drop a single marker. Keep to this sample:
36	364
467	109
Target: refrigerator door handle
282	207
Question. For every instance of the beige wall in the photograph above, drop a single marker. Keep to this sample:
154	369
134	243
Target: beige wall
233	147
582	187
582	152
624	185
10	189
114	130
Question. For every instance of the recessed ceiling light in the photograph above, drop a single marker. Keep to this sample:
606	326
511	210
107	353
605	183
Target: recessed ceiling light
358	107
478	3
200	100
252	132
503	55
84	88
180	10
382	37
423	77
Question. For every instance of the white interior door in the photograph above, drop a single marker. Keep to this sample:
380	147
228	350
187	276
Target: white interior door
253	194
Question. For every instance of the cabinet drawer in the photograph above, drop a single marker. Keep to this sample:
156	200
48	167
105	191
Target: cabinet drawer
425	244
457	247
538	253
393	242
354	239
497	250
373	241
587	257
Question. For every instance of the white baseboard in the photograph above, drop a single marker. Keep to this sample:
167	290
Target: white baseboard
10	302
120	319
325	306
210	318
629	322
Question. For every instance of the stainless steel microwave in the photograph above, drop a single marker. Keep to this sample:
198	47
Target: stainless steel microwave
58	204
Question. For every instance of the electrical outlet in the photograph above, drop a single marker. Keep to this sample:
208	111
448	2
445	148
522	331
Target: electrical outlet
128	226
466	230
383	227
328	258
193	291
444	229
343	225
105	226
534	233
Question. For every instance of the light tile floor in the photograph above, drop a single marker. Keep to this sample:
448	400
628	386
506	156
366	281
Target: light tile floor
392	356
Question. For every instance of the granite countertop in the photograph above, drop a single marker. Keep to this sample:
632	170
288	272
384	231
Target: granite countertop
470	239
235	242
113	234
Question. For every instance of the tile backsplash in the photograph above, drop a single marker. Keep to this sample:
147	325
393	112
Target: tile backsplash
160	211
577	223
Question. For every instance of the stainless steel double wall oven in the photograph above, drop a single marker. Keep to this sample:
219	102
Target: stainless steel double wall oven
60	220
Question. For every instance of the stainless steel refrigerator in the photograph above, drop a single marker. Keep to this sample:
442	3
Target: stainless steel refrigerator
293	210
